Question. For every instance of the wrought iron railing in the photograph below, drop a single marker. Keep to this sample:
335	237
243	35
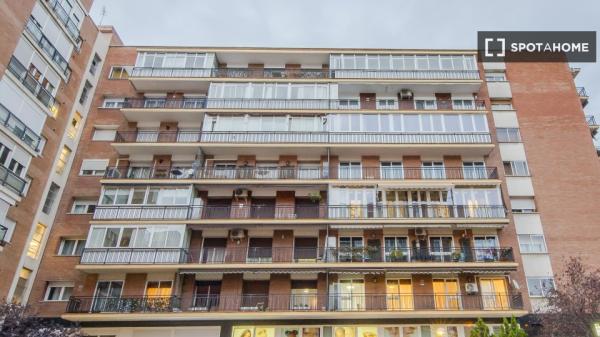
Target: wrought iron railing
299	173
11	180
19	129
189	136
353	212
322	302
266	255
291	104
31	83
42	41
65	19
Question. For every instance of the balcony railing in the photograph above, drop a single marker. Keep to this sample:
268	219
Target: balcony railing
267	255
591	120
32	84
48	48
300	173
302	137
65	19
291	104
332	302
581	92
186	212
11	180
19	129
310	74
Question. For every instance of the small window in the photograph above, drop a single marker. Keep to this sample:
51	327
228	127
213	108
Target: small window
104	135
516	168
7	232
58	291
113	103
502	106
95	63
495	77
71	247
508	135
523	205
85	92
540	286
82	206
93	167
50	198
36	241
532	243
65	154
119	73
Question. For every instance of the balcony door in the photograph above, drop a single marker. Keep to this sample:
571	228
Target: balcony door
392	170
485	248
305	249
351	249
207	295
213	250
107	297
367	101
433	170
158	295
446	294
263	208
350	170
396	249
350	295
260	250
399	294
474	170
441	248
494	293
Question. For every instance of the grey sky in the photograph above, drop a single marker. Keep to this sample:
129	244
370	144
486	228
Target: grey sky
346	23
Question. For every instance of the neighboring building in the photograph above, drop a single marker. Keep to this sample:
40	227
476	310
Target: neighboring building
335	192
50	60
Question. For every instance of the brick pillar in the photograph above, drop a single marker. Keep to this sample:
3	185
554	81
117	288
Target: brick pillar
134	285
284	205
195	246
452	165
280	287
323	290
412	165
375	298
168	132
423	292
87	287
231	291
370	166
334	163
374	254
235	250
188	289
283	242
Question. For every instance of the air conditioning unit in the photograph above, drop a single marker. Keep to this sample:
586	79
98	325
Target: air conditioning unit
237	234
241	193
406	94
420	232
471	288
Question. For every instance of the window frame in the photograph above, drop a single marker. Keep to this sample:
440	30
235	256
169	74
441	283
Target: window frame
62	285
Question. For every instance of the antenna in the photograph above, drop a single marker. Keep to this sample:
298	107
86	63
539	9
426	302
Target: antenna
102	15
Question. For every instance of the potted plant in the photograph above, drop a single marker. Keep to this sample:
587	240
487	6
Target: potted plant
315	197
455	256
396	255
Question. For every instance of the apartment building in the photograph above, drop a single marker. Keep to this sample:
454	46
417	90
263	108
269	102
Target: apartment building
50	60
318	192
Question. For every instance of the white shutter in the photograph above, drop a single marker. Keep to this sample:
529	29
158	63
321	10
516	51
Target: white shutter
104	135
94	164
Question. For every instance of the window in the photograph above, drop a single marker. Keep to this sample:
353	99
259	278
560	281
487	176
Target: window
81	206
65	153
386	104
350	170
24	276
508	135
75	122
136	237
146	195
104	135
523	205
10	225
495	77
36	241
113	103
58	291
4	152
95	62
50	198
540	286
93	167
433	170
502	106
516	168
532	243
158	288
85	92
71	247
16	167
119	73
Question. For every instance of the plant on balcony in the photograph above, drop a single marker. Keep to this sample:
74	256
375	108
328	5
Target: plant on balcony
480	329
573	305
315	197
397	255
18	320
455	256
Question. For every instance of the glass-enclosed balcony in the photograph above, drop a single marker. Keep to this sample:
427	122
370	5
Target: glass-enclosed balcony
11	180
19	129
34	29
32	85
64	17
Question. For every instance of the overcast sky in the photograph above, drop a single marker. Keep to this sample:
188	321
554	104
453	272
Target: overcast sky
346	23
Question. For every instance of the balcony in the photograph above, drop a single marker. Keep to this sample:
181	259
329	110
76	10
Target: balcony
19	129
299	303
594	126
63	17
302	256
289	104
583	96
262	174
31	83
12	181
295	213
43	43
